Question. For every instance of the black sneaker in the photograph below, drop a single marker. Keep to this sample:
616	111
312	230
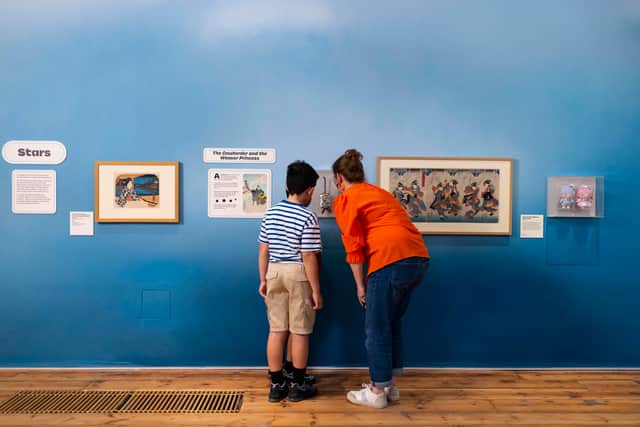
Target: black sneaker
299	392
288	375
277	392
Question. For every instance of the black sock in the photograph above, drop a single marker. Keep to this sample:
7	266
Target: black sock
298	375
288	366
276	377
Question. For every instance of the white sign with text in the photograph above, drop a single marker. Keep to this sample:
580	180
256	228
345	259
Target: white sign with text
531	226
81	223
34	152
239	155
34	192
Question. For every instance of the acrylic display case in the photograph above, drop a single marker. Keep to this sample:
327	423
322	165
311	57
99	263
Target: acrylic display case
575	196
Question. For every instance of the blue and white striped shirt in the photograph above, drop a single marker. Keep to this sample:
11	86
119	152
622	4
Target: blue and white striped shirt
290	229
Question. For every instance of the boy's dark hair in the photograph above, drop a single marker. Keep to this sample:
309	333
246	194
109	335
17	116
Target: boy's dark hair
300	176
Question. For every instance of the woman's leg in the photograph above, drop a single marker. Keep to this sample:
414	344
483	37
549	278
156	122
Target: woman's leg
405	276
378	328
377	342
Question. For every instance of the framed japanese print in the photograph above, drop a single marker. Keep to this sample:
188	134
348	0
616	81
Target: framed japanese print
445	195
137	191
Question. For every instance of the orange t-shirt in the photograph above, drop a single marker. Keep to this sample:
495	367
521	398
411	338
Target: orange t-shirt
375	228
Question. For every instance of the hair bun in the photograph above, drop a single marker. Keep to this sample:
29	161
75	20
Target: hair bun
353	154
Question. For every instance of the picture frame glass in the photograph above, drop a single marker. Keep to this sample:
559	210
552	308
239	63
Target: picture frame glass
136	191
451	195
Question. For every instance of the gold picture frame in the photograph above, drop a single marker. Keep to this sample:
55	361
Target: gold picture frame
452	195
137	191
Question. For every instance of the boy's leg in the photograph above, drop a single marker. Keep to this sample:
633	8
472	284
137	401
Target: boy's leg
277	301
300	351
300	389
289	361
275	349
301	321
287	369
278	389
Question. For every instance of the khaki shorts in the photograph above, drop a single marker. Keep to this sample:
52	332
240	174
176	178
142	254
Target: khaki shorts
289	301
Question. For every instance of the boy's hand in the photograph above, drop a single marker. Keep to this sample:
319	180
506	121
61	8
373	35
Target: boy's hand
262	289
317	300
362	295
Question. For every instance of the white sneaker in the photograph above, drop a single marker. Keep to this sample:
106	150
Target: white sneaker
392	392
366	397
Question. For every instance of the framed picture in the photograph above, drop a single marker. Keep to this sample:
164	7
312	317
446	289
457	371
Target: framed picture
325	192
137	191
445	195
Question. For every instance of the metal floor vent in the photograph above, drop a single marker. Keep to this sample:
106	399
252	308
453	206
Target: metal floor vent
122	401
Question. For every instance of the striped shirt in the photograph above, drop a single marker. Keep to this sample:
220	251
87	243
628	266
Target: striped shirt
290	229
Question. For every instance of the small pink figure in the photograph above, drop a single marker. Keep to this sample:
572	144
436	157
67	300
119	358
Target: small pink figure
584	197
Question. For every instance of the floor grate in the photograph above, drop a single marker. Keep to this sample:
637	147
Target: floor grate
122	401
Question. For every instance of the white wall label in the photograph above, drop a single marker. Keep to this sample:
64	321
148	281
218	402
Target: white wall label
239	155
34	152
531	226
238	193
34	192
81	223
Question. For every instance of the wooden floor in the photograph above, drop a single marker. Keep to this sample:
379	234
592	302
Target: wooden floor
429	397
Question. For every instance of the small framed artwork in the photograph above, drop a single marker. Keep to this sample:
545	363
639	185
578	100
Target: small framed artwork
325	192
137	191
444	195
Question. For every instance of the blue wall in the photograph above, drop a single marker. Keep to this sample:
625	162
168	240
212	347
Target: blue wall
554	85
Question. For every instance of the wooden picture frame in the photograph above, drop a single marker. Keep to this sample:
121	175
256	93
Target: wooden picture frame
452	195
137	191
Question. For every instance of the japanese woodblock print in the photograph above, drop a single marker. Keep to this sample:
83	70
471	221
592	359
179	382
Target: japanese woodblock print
137	191
451	195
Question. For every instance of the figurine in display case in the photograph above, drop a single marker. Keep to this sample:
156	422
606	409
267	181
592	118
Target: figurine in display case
567	199
584	197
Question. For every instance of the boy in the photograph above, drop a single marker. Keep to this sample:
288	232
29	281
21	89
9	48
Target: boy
288	261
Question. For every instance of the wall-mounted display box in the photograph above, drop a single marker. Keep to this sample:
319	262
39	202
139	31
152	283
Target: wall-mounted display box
575	196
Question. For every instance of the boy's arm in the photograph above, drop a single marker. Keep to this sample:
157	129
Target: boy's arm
311	262
263	265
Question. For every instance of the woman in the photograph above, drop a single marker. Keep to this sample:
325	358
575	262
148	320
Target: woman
376	230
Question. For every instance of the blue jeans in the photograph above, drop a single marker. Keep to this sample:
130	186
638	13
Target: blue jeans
388	294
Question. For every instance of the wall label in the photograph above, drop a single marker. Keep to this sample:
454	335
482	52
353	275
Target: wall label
239	155
34	152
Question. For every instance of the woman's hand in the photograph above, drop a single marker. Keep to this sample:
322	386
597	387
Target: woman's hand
362	295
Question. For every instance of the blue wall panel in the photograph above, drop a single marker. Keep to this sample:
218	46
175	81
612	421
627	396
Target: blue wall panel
555	87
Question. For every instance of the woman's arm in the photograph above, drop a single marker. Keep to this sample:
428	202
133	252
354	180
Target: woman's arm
353	240
358	275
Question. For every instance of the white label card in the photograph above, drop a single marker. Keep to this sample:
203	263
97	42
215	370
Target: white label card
81	223
531	226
